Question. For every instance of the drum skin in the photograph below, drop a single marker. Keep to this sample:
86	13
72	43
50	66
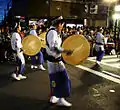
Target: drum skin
43	42
31	45
80	47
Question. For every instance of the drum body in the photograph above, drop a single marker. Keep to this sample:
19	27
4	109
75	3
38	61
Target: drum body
42	36
80	47
31	45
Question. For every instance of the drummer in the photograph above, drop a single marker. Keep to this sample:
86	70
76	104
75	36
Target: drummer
17	49
100	42
41	31
39	54
59	80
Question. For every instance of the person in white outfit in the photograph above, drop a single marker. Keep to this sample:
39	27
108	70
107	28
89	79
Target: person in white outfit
39	54
100	41
17	49
59	80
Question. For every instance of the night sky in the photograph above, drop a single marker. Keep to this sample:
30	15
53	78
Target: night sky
3	5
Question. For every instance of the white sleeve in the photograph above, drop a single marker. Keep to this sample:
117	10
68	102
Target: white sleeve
18	41
33	32
13	42
51	38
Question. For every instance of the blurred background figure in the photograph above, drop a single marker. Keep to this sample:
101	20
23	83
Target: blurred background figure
39	55
100	41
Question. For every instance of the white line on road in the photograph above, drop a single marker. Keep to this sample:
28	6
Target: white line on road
111	60
110	56
114	75
99	74
111	65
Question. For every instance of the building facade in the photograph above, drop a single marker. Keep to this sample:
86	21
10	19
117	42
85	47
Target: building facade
94	12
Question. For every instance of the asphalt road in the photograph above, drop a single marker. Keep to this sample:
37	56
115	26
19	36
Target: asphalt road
88	92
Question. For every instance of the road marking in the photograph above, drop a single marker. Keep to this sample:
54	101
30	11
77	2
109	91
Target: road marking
111	60
114	75
110	64
99	74
110	56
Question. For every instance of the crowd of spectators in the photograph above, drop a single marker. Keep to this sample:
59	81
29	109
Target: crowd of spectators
88	32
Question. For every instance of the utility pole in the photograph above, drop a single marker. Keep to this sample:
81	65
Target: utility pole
49	8
108	14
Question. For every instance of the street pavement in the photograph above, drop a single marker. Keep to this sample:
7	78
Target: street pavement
111	61
93	88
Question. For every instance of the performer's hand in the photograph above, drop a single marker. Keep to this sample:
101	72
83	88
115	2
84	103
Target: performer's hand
42	39
69	52
21	50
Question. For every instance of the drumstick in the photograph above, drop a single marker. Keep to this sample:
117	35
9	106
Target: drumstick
77	49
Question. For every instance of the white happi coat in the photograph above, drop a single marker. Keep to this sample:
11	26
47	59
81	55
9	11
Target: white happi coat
100	39
54	40
16	45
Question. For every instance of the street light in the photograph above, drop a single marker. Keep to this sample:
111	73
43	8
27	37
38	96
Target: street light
116	17
117	8
109	2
